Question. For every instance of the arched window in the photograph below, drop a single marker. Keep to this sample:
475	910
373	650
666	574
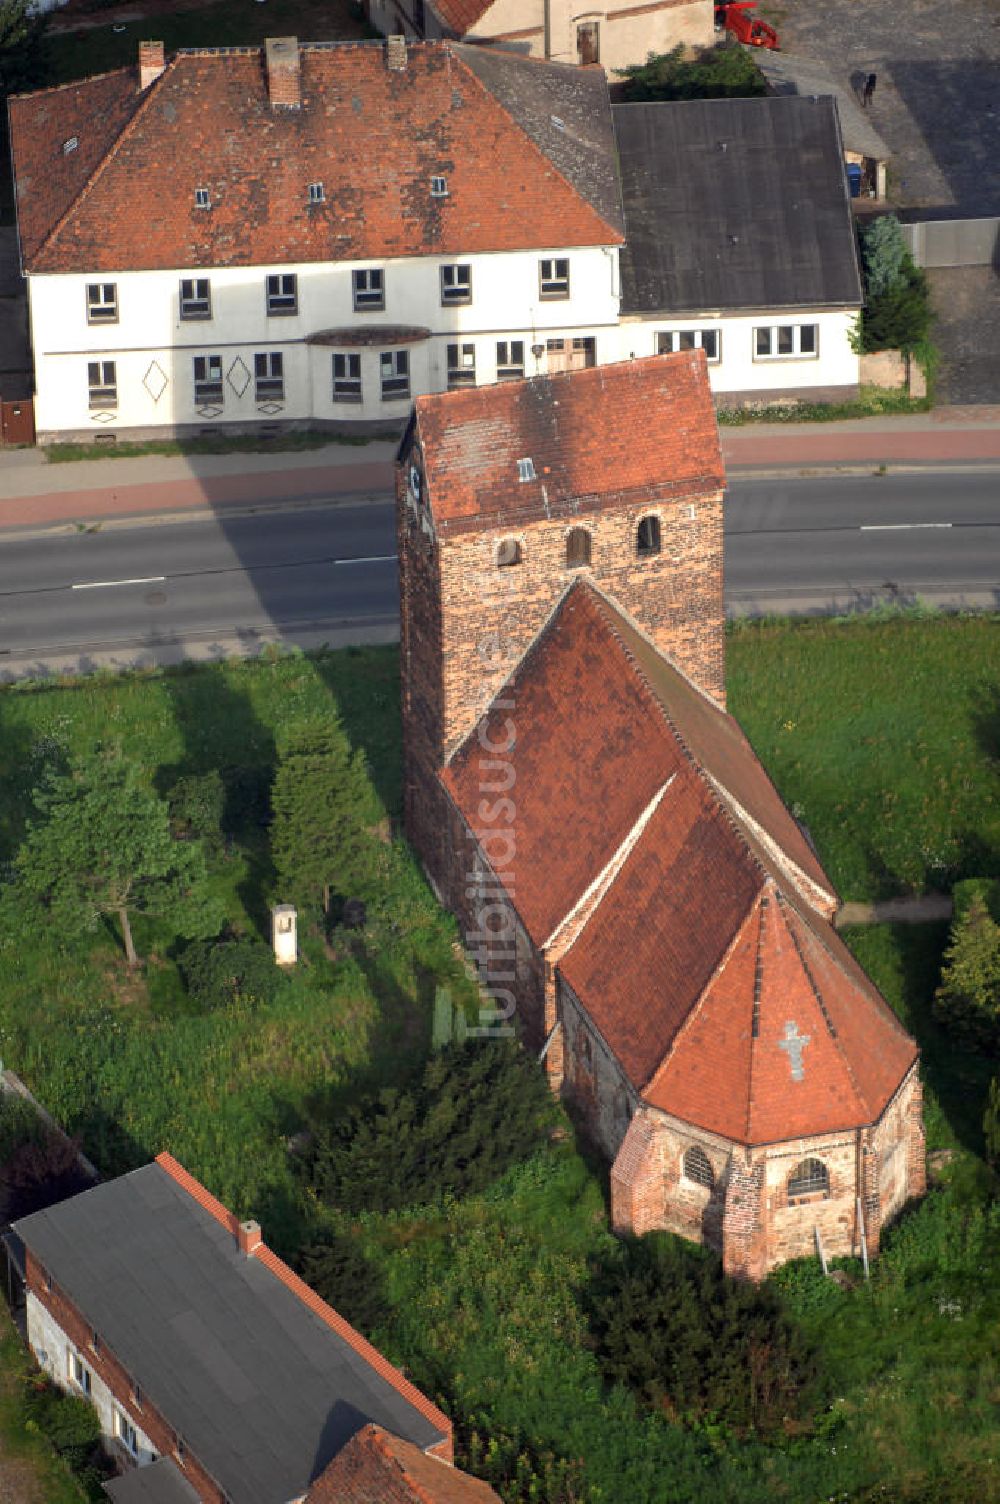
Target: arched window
698	1167
578	548
647	537
508	553
809	1175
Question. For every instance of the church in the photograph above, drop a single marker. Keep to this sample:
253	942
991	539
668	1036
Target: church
642	908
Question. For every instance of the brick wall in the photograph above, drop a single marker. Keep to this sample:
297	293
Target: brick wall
106	1367
593	1079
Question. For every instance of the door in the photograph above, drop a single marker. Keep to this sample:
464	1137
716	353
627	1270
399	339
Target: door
17	422
587	43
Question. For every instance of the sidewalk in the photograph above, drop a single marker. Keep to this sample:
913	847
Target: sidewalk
34	493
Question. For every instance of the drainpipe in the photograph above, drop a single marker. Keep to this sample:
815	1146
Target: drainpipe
547	7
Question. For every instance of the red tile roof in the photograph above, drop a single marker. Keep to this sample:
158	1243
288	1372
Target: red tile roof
646	427
376	1467
319	1307
127	200
575	690
460	16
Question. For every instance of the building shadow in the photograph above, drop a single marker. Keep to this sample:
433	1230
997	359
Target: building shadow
952	103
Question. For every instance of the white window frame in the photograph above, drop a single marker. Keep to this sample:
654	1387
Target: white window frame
269	376
347	384
102	383
102	302
553	277
461	365
202	198
796	352
282	290
668	341
209	387
126	1433
394	372
316	193
456	283
194	299
509	368
439	187
368	287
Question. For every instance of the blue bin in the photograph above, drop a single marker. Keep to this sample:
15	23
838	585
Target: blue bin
854	178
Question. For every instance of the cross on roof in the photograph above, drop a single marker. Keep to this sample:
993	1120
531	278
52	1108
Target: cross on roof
794	1043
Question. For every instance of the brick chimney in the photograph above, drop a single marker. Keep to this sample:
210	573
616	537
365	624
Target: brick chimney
249	1238
284	79
395	54
151	63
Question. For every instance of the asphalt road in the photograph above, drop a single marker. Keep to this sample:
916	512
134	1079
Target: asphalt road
152	590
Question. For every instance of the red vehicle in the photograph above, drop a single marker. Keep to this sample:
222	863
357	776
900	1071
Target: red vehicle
732	16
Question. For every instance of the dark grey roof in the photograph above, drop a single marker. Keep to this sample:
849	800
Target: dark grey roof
159	1483
733	204
257	1386
788	74
566	111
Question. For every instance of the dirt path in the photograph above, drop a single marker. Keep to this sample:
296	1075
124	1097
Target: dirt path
926	908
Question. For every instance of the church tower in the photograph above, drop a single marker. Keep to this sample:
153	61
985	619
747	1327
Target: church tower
507	495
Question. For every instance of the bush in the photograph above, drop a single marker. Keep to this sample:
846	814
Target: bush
218	972
897	312
967	1002
668	1323
196	806
70	1423
516	1467
719	73
477	1109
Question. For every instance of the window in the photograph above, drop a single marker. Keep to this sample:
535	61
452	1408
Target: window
137	1396
809	1176
269	376
202	198
196	298
647	537
698	1167
95	1343
369	289
456	284
786	342
80	1374
510	359
508	553
554	277
102	303
282	293
461	366
347	378
395	367
126	1433
709	340
526	469
578	548
316	194
102	380
439	187
208	380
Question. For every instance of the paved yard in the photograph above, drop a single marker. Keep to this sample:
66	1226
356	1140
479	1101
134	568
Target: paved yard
967	305
937	98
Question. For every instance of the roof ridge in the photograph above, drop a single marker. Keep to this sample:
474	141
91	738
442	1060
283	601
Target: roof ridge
758	978
198	1192
106	158
797	872
616	236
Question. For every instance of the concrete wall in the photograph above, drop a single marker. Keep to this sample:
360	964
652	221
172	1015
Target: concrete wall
954	242
154	349
832	371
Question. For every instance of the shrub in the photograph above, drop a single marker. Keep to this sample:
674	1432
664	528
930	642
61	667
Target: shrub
897	312
196	806
338	1270
516	1467
218	972
967	1001
668	1323
477	1109
70	1423
991	1124
718	73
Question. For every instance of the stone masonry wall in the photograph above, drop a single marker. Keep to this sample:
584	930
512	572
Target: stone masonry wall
593	1080
489	615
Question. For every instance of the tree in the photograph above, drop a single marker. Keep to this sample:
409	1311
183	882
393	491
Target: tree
23	60
323	814
897	312
100	844
883	254
719	73
968	998
991	1124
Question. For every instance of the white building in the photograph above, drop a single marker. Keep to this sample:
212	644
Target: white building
315	235
614	34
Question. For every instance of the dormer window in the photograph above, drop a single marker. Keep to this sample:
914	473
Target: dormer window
647	537
202	198
578	548
526	470
508	553
316	194
70	144
439	187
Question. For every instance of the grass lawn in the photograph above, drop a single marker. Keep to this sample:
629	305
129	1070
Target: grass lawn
882	733
214	23
30	1471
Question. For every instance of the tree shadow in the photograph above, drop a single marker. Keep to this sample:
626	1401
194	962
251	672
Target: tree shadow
986	723
24	759
369	707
